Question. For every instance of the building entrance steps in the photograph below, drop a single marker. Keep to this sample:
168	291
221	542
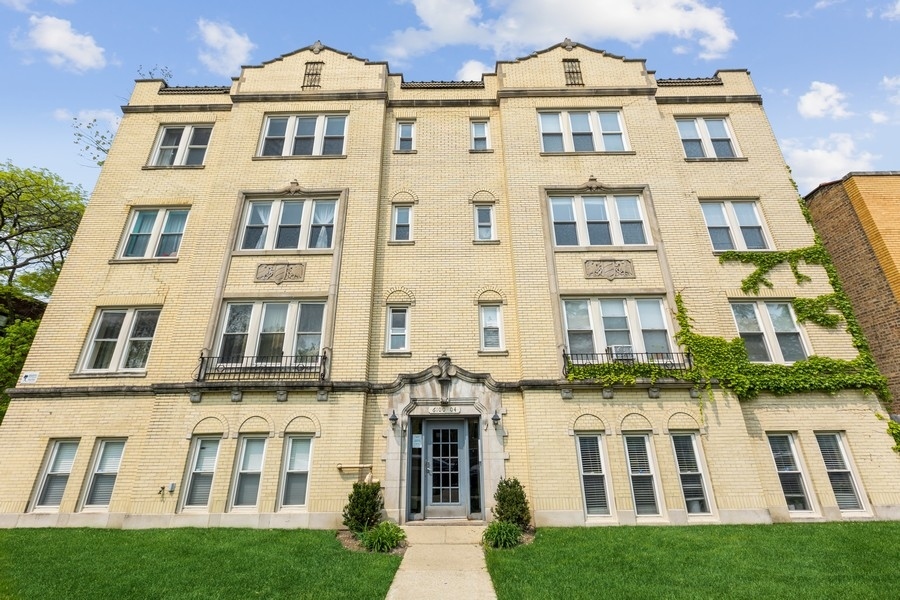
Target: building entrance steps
442	561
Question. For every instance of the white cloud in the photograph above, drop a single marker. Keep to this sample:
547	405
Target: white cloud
826	3
878	117
892	84
226	49
20	5
528	24
105	117
827	159
892	12
64	46
823	100
472	70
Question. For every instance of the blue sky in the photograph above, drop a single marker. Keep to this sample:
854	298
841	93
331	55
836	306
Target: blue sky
828	70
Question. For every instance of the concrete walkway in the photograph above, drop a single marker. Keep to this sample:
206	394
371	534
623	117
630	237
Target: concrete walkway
442	561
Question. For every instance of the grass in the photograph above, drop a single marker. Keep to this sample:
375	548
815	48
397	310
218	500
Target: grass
822	560
187	563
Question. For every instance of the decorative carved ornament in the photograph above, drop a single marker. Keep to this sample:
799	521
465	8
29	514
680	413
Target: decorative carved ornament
279	272
609	269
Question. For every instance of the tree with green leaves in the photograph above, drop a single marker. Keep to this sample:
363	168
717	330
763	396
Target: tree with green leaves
39	214
15	341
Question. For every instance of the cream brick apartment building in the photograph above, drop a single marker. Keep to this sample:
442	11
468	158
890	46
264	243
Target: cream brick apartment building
323	272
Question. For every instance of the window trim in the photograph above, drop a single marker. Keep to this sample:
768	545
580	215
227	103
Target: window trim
290	135
94	473
489	207
161	218
191	471
567	132
239	471
474	137
849	469
706	139
482	327
653	474
767	330
123	342
613	219
395	213
46	474
182	150
701	471
404	332
273	224
632	315
287	446
735	229
402	139
608	491
255	325
800	471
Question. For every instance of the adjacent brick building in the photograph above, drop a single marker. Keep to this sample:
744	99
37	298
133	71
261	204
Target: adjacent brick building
323	272
857	218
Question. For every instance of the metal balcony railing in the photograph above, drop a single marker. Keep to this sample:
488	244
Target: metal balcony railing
262	368
675	362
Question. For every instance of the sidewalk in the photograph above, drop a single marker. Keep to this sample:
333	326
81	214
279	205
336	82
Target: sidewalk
442	561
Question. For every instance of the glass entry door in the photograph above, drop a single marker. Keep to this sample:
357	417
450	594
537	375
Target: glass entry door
446	469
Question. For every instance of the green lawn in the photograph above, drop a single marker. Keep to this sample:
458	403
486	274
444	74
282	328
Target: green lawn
172	564
823	560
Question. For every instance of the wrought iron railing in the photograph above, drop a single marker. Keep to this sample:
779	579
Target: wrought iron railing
262	368
675	362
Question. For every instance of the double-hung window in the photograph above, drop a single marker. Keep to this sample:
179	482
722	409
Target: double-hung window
614	220
480	139
295	478
120	340
789	473
104	473
401	227
276	332
769	331
182	145
484	223
582	131
690	473
154	233
619	326
56	473
303	135
204	454
837	465
706	137
641	473
491	327
734	225
248	474
288	224
406	136
593	474
397	329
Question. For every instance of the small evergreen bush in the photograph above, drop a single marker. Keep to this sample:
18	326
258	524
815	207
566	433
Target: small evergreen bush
363	509
502	534
384	537
512	505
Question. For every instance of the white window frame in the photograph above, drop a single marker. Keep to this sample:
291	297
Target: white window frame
406	136
100	470
640	471
241	471
767	330
53	471
194	470
401	333
256	329
635	327
581	208
123	343
696	470
184	147
485	324
599	137
731	222
841	467
479	211
798	471
477	138
161	228
707	142
396	212
309	228
603	473
286	470
320	134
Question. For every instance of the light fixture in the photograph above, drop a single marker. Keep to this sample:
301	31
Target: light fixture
393	419
495	419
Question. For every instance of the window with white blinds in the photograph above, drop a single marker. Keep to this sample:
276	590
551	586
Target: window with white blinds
789	473
249	473
690	473
640	469
593	477
203	467
296	471
839	473
56	475
103	475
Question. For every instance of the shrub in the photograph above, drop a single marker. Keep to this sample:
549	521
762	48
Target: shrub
502	534
511	506
384	537
364	504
